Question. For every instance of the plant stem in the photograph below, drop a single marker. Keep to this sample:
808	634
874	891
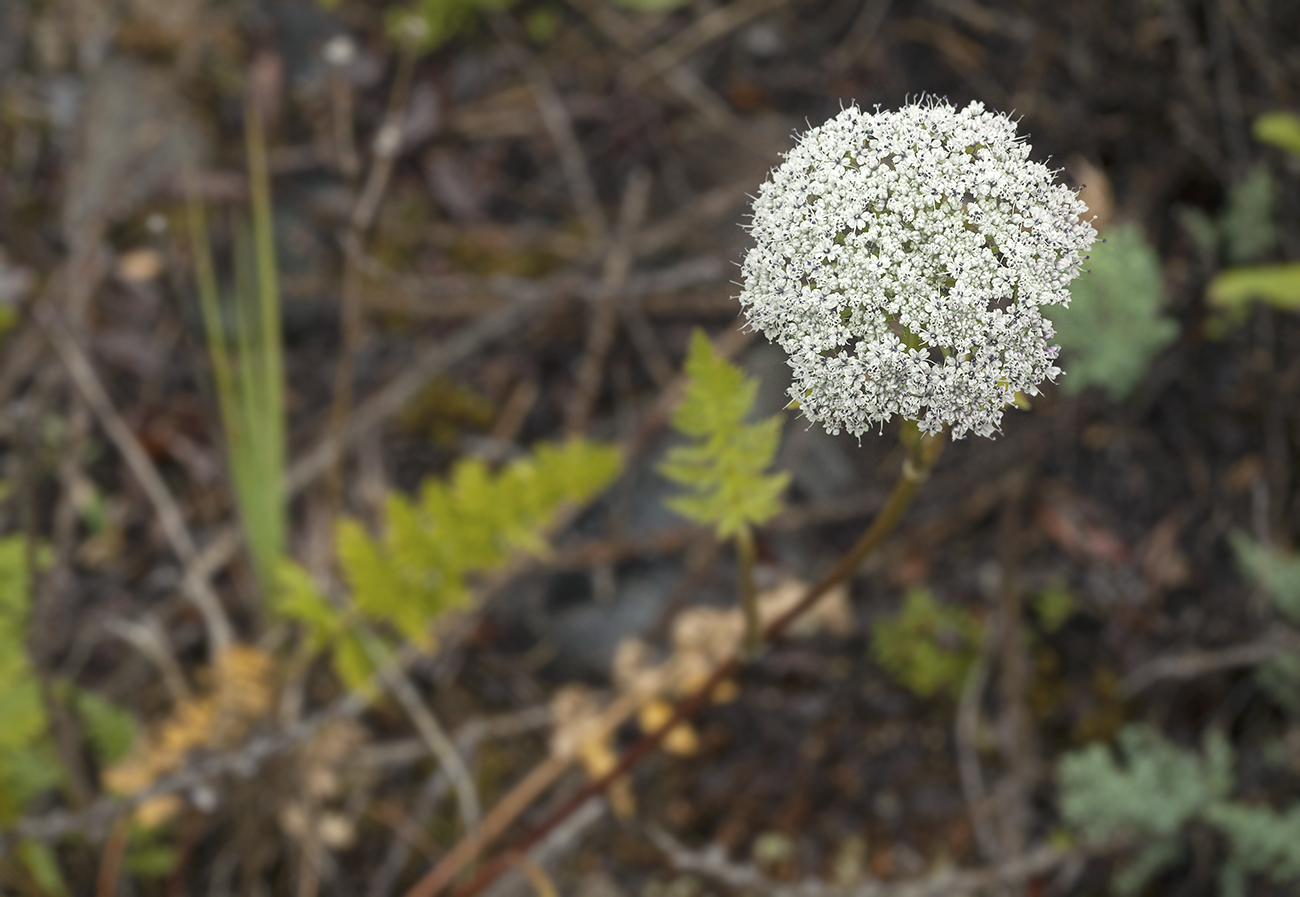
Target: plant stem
748	595
922	452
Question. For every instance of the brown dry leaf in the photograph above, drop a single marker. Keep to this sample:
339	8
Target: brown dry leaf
1163	563
1065	522
577	715
239	695
139	265
682	740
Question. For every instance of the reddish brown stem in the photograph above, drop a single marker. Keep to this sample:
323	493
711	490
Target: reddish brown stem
922	452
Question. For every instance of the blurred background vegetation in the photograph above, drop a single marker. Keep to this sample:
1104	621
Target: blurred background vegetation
339	345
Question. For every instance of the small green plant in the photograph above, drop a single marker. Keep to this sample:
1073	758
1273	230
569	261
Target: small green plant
29	762
425	25
420	566
1053	607
928	647
247	362
1113	327
725	465
1159	789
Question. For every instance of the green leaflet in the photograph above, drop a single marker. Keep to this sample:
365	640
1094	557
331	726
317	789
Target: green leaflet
419	566
1279	129
1114	326
1278	285
723	466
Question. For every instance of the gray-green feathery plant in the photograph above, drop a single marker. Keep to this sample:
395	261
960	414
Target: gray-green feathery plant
1114	326
1157	791
1161	788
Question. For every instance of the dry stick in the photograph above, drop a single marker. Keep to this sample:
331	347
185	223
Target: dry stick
1192	664
748	594
714	864
387	144
922	454
198	590
704	30
558	124
966	736
600	332
147	637
431	731
1015	735
678	79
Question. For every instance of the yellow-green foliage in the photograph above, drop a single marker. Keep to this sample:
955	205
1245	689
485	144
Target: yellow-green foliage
425	25
724	464
29	763
928	647
1113	327
1279	129
325	627
1054	606
1157	791
419	566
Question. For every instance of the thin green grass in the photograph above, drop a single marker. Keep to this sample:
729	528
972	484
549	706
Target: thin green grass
244	344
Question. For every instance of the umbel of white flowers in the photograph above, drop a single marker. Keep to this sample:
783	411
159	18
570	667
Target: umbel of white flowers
901	259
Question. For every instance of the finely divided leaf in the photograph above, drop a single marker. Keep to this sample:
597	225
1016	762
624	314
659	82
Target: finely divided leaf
723	466
472	523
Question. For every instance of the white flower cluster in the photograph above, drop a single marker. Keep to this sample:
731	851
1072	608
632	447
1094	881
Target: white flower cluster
901	260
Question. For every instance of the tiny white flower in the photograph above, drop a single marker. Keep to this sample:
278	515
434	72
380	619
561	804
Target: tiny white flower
900	261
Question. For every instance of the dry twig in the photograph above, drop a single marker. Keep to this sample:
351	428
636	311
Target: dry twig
197	589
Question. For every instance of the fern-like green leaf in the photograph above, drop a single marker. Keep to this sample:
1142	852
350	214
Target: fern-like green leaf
725	465
471	524
326	628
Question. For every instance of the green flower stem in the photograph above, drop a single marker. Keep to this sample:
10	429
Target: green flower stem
922	451
748	594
